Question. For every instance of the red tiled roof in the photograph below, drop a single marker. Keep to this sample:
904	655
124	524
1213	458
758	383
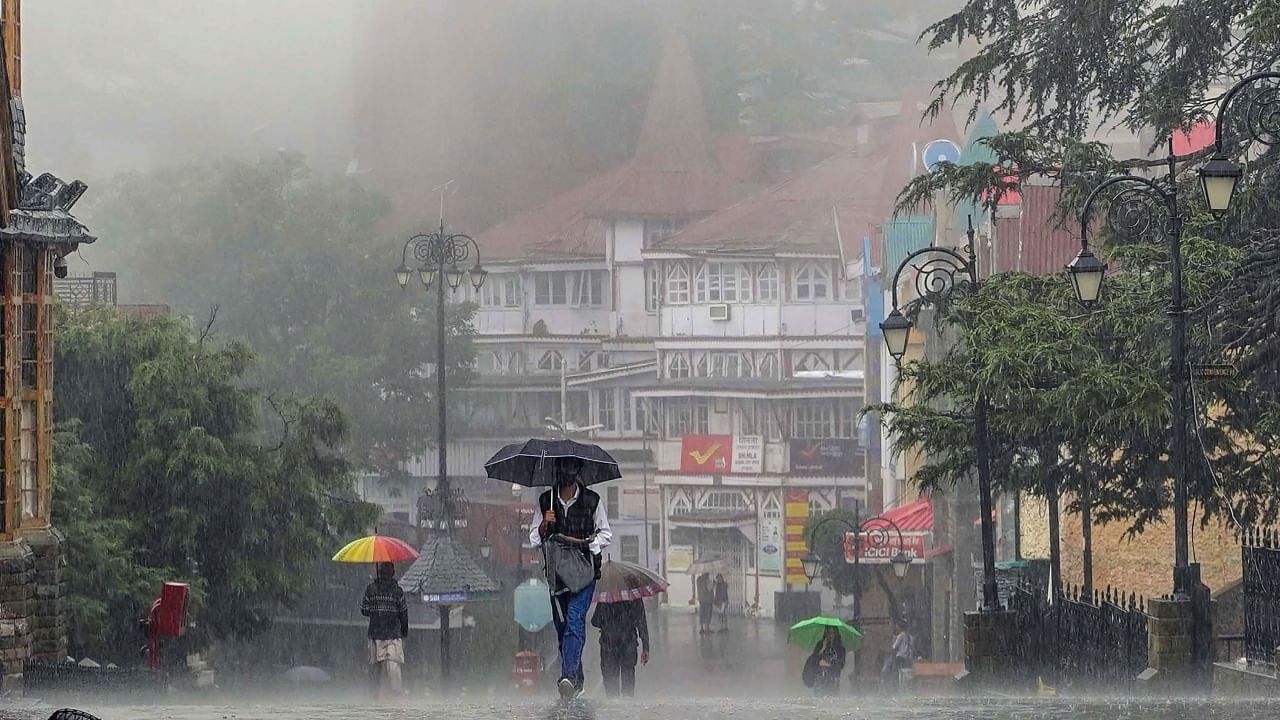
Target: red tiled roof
915	516
1038	241
798	214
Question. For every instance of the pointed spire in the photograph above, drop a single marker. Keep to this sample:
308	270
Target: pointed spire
675	123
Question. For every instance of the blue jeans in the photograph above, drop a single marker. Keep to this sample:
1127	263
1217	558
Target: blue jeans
570	617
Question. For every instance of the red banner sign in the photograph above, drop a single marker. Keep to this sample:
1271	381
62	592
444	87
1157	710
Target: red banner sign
706	454
880	550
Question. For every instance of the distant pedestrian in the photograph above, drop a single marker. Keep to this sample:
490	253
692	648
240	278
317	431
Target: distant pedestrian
621	624
826	662
388	612
720	594
706	602
901	655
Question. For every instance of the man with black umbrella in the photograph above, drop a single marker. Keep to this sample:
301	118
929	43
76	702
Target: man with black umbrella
573	529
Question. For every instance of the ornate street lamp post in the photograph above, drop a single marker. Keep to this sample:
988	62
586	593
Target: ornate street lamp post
442	259
870	534
939	272
1131	211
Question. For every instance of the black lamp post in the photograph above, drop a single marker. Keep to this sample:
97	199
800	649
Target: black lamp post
441	259
939	272
1132	208
872	533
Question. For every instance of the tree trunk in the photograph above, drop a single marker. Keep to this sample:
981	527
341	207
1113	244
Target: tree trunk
1086	533
1050	464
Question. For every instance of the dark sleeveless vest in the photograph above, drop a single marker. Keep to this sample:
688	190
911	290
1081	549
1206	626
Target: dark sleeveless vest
581	520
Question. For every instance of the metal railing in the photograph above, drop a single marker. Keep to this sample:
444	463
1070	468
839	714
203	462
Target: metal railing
1260	558
1079	641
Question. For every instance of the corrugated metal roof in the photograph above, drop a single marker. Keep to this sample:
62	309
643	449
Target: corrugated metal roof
915	516
1037	241
903	236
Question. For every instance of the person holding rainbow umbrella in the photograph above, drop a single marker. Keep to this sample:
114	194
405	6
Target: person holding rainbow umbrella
384	604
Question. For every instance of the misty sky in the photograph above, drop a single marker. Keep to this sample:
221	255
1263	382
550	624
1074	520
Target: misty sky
131	84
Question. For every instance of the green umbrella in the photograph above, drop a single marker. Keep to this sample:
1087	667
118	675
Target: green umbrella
807	633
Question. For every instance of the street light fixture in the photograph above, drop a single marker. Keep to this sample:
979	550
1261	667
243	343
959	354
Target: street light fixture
939	271
486	549
1138	199
434	252
1086	272
875	533
896	329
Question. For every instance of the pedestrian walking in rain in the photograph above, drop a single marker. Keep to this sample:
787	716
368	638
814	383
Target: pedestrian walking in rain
706	602
901	655
572	528
388	612
720	594
822	669
621	625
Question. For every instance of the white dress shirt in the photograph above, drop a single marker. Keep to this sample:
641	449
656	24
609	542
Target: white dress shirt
599	541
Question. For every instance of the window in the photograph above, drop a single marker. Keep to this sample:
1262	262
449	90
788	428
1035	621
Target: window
630	548
812	362
515	363
716	283
490	293
590	289
550	288
678	284
500	363
688	416
846	419
700	368
27	469
512	293
611	501
678	366
606	410
653	288
551	360
852	288
767	283
30	346
748	423
769	366
651	417
813	419
726	365
586	359
628	411
812	283
655	537
725	500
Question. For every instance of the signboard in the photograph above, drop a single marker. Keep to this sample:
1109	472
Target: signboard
881	551
748	454
939	151
837	456
1203	372
679	558
532	603
706	454
445	599
796	514
771	548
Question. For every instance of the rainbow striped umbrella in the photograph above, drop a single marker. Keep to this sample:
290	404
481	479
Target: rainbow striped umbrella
376	549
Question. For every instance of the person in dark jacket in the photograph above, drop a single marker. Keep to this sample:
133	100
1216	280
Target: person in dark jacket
388	612
571	519
620	625
705	594
826	663
720	591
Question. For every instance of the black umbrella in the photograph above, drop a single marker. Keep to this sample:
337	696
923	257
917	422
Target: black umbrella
536	463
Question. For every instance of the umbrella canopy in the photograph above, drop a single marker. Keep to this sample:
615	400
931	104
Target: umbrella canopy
622	581
807	633
536	463
375	549
533	605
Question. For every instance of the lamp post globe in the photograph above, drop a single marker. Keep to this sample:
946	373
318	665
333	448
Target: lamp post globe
897	334
901	562
1086	272
809	562
486	548
1218	180
427	274
403	273
478	275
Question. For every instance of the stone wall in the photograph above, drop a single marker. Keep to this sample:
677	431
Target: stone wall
17	588
48	630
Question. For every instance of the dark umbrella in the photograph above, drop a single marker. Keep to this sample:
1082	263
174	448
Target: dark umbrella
535	463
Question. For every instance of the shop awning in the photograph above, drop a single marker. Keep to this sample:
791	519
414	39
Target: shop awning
713	520
916	516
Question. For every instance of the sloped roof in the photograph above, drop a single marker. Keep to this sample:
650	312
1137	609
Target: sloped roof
1037	241
444	567
675	172
797	215
915	516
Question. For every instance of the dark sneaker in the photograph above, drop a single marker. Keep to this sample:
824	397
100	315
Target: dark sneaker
567	689
579	693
